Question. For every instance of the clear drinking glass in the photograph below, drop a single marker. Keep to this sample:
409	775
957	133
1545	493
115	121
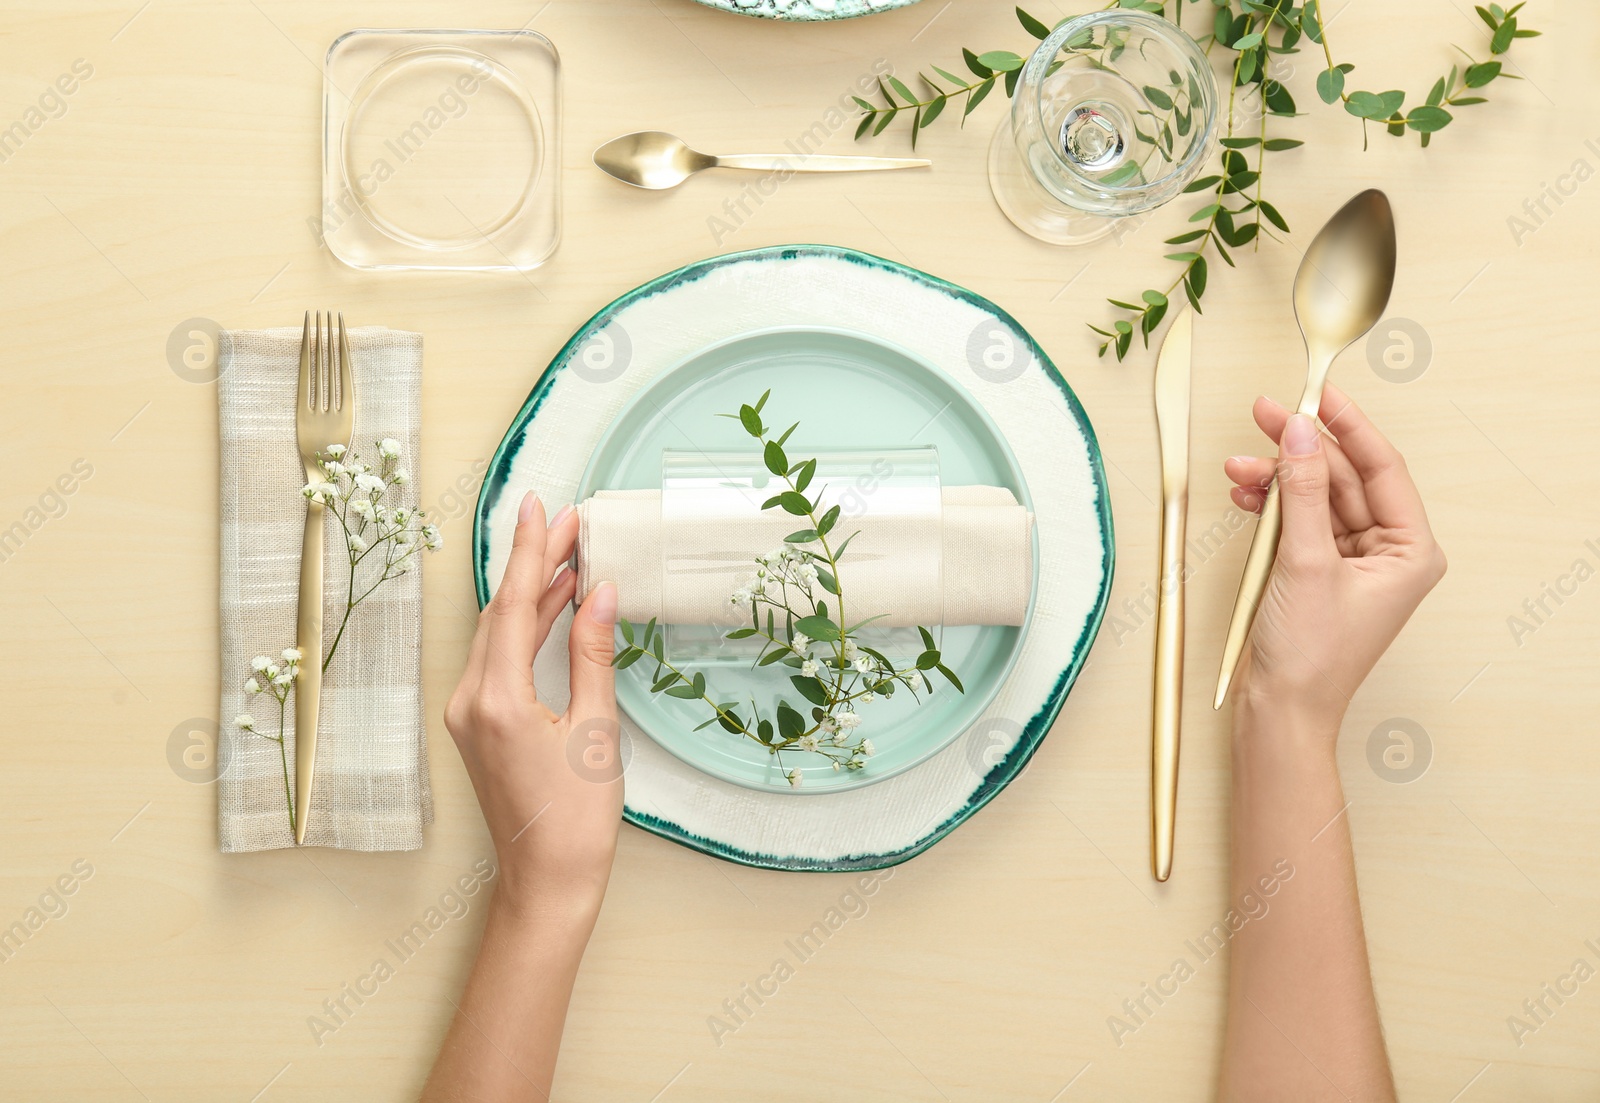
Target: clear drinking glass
1113	115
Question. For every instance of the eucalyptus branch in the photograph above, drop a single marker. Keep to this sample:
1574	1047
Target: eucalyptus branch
1450	90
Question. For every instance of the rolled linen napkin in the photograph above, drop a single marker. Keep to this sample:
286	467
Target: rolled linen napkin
983	559
372	790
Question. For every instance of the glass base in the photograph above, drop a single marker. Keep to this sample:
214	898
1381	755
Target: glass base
1028	206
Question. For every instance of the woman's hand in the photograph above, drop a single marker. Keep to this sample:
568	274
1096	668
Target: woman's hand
550	786
551	791
1355	559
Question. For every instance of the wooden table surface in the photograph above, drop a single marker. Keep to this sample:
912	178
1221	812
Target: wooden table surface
175	183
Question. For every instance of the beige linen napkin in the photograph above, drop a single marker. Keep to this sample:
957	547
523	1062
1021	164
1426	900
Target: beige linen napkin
983	561
372	790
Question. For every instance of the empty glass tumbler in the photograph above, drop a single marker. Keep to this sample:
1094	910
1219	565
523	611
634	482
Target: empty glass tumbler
1114	114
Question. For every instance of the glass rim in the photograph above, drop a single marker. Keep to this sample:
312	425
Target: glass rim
1039	60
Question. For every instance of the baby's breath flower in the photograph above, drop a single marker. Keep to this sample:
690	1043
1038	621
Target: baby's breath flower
848	721
335	450
809	668
260	663
431	537
741	598
369	484
252	687
400	477
850	647
863	664
807	742
868	697
829	724
245	721
800	642
290	655
867	749
319	492
332	468
357	544
271	670
388	448
794	779
283	680
363	506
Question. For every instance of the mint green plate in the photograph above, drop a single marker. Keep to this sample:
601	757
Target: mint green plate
849	392
896	344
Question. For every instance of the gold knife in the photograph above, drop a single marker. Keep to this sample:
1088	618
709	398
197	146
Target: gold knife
1172	426
324	414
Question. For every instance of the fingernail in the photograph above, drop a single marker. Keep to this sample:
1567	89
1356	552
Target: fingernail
1241	459
525	510
1300	436
561	516
602	603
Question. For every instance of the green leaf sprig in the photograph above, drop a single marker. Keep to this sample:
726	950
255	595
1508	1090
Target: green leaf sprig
1455	89
1235	211
794	584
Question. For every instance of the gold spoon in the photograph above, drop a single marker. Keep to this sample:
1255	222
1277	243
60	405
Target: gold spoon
1340	292
656	160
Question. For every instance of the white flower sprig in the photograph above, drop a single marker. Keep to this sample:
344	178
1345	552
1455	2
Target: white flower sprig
276	678
382	536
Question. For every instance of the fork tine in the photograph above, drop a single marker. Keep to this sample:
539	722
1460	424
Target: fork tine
347	386
304	386
327	362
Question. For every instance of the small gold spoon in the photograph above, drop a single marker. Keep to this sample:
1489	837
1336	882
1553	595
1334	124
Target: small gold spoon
1340	292
656	160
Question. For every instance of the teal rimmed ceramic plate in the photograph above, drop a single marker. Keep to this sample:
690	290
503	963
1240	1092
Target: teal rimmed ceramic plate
848	392
806	11
985	355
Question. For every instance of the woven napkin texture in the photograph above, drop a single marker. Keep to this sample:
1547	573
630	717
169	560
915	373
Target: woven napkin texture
372	790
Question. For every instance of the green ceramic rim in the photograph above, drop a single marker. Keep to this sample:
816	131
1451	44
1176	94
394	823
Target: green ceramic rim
1037	727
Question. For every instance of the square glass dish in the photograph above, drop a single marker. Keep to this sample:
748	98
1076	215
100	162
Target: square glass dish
441	150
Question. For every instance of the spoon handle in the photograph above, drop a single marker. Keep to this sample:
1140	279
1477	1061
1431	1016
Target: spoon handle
768	162
1263	552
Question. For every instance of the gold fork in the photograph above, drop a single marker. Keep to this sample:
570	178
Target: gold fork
324	405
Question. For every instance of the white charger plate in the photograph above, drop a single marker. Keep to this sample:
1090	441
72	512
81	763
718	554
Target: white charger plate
667	322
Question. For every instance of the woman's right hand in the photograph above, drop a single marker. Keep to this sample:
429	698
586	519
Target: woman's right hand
1355	559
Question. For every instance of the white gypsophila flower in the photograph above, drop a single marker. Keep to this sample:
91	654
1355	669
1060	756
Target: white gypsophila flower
432	538
245	721
829	724
807	743
840	739
357	544
283	680
402	515
290	655
806	574
800	642
319	492
335	450
836	765
758	586
363	506
332	468
863	664
260	663
272	670
400	477
252	687
388	448
403	538
369	484
867	749
402	566
740	597
794	779
868	697
809	668
849	721
850	647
